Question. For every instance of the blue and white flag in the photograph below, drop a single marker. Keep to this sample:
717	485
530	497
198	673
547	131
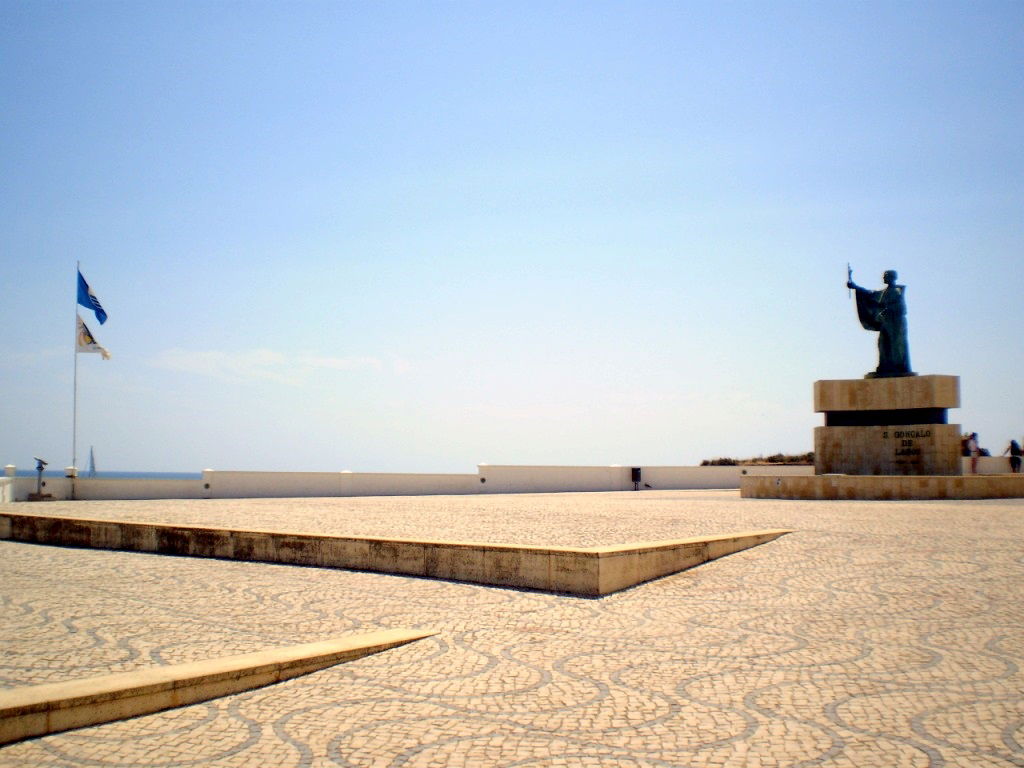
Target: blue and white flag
86	342
88	299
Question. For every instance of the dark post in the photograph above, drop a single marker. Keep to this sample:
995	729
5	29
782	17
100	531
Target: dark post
40	463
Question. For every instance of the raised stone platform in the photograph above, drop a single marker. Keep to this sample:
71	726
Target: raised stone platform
886	439
582	571
883	487
37	710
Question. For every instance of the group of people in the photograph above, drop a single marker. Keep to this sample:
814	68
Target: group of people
972	448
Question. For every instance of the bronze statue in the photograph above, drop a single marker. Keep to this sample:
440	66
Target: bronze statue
886	312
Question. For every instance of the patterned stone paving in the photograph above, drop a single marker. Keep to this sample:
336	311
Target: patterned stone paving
879	634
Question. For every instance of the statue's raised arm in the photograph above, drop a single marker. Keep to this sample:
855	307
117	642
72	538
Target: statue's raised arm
885	311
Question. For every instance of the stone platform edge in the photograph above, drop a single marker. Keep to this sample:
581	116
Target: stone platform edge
883	487
580	571
38	710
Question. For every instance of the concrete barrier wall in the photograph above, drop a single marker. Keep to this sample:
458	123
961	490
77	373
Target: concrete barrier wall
552	479
234	485
105	488
489	479
682	478
100	488
58	487
499	478
396	484
241	484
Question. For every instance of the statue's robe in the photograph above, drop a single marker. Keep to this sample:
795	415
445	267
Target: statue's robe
886	312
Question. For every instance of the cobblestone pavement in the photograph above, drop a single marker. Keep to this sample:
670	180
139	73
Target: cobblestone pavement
879	634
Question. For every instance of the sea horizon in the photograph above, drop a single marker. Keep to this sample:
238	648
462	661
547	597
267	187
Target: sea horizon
84	473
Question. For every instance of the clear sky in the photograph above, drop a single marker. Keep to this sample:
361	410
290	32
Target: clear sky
419	236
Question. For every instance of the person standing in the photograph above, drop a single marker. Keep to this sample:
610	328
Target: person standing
1015	453
973	451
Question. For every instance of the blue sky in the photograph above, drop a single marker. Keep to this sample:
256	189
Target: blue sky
419	236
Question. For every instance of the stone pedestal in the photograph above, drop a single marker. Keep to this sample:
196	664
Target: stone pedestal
886	439
894	426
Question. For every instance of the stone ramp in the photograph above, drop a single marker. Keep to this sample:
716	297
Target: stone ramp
38	710
580	571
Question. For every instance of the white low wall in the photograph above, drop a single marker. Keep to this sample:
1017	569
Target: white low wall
407	484
505	478
489	479
682	478
104	488
100	488
58	487
235	485
498	478
239	485
243	485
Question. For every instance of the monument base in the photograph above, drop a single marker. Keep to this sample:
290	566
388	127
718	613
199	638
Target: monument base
887	426
882	487
903	449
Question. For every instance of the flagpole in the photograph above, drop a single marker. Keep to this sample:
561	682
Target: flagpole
85	297
74	406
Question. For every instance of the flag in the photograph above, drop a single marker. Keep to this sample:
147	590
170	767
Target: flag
86	342
88	299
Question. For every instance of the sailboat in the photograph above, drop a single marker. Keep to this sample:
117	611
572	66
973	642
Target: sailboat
92	463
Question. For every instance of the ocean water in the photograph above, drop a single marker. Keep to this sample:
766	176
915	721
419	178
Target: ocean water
85	473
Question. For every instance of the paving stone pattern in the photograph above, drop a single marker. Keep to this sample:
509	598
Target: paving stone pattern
879	634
